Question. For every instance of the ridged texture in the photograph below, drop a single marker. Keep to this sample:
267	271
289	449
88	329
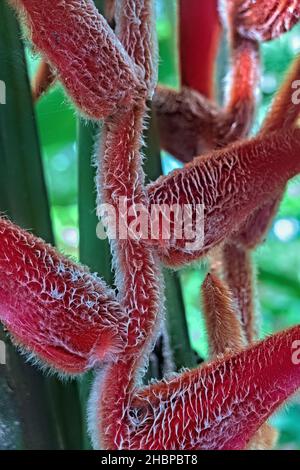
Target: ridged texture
138	276
264	20
135	27
90	61
282	115
222	405
230	184
54	308
222	317
219	406
226	334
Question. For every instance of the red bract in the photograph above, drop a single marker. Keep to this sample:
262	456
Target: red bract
221	405
138	278
72	321
283	114
91	63
223	318
229	184
54	308
265	19
189	122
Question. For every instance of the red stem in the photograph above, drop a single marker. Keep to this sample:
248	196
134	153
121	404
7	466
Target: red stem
199	30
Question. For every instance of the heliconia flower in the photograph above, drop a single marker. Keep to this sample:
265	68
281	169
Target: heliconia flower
139	37
284	113
139	282
186	121
229	184
190	123
219	406
238	274
265	19
55	309
222	318
92	64
226	334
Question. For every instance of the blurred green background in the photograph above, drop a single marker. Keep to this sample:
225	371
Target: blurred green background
277	261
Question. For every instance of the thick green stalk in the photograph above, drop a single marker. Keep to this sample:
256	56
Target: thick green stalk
47	413
93	251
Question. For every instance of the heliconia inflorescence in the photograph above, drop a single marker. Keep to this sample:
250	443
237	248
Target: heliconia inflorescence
69	320
54	308
190	124
93	66
222	182
266	19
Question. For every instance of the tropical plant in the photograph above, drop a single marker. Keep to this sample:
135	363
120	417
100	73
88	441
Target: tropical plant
70	320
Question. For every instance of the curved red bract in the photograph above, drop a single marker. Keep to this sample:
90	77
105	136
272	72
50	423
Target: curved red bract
70	320
266	19
55	309
77	41
218	406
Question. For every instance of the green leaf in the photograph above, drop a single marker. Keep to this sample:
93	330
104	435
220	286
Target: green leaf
93	252
47	411
22	182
